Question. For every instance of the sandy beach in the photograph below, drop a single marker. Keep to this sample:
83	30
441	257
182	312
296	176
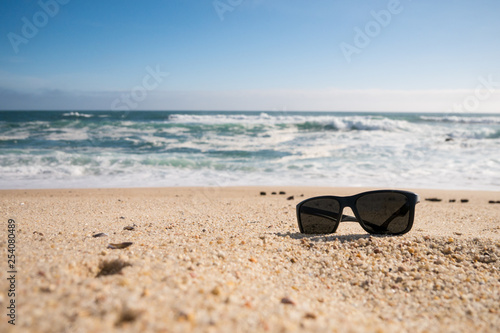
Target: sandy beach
233	260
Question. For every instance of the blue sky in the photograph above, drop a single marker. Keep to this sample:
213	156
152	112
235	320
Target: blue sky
406	55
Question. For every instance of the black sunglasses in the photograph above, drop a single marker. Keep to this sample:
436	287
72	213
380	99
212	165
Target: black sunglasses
378	212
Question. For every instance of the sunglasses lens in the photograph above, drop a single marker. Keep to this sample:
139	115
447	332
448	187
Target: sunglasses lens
319	216
384	213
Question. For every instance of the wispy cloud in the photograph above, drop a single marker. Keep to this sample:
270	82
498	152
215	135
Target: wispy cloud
14	60
291	100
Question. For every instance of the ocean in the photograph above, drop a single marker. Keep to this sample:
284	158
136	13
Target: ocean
107	149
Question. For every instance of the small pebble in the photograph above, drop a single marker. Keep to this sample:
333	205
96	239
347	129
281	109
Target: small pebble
101	234
216	291
119	245
310	315
287	300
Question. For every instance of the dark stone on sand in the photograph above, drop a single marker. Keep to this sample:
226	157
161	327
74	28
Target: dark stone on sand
129	227
119	245
282	192
290	198
101	234
448	139
433	199
452	200
111	267
273	193
464	200
262	193
287	300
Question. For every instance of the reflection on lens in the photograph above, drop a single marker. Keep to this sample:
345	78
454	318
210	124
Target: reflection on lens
319	216
384	212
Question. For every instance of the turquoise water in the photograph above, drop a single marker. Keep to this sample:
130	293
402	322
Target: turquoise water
52	149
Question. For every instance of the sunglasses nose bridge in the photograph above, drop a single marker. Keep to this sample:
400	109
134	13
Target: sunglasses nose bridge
348	211
351	205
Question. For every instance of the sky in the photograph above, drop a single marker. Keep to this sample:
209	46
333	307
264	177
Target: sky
263	55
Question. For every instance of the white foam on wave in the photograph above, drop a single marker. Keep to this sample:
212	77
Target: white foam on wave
12	136
362	150
463	119
335	122
371	124
68	134
77	114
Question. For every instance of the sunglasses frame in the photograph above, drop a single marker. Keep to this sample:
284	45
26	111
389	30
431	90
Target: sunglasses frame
350	201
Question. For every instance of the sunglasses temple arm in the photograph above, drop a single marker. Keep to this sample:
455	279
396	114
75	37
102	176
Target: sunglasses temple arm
328	214
400	212
348	218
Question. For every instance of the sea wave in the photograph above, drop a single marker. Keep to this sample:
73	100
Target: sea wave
66	149
77	115
302	122
356	124
490	120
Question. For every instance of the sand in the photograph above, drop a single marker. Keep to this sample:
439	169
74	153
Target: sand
233	260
